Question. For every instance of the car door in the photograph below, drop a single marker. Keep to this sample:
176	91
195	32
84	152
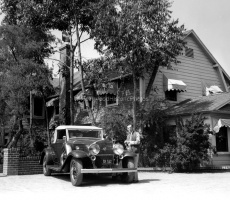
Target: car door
58	145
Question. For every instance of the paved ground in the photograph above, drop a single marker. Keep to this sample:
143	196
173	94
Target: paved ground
152	185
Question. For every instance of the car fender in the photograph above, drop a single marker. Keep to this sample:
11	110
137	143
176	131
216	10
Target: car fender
49	153
129	154
77	154
73	154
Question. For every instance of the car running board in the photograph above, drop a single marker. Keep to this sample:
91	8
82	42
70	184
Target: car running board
105	170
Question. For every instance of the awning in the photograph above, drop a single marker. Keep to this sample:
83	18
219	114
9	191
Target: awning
221	123
80	95
110	89
52	102
172	82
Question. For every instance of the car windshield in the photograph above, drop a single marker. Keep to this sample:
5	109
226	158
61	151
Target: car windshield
84	133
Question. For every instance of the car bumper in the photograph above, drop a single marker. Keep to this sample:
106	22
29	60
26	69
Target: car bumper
105	170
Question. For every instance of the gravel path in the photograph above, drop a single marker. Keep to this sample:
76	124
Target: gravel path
152	185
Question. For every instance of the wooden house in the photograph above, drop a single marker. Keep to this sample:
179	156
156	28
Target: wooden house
198	84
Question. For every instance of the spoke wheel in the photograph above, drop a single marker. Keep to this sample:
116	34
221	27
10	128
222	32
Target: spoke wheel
128	177
76	176
46	170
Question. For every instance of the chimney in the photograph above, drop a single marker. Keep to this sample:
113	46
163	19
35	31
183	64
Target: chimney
64	96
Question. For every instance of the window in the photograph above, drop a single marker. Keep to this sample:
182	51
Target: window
171	95
189	52
111	99
84	133
222	140
38	108
56	110
60	134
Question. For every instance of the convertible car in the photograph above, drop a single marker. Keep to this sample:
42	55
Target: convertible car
82	149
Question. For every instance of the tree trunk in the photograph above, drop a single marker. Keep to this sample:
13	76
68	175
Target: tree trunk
151	80
31	119
47	122
134	98
89	110
2	135
16	137
71	81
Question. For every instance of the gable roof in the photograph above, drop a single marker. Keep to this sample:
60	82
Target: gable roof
212	58
200	104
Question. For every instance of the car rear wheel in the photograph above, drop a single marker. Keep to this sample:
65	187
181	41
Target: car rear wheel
128	177
46	170
76	176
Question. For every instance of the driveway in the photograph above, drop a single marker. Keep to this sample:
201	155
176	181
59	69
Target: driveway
152	185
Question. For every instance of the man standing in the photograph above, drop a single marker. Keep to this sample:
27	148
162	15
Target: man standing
133	144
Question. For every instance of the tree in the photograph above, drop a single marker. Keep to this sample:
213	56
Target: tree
71	17
140	34
22	71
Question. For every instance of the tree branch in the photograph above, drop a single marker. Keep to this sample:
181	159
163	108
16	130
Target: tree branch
151	80
85	40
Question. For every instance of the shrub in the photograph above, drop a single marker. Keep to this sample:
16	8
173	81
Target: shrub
188	148
115	122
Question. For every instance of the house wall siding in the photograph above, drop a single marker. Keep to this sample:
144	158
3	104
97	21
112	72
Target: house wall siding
193	71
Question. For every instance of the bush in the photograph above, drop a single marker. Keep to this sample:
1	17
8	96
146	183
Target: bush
115	122
188	148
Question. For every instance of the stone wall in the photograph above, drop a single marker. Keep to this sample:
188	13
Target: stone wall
14	164
29	165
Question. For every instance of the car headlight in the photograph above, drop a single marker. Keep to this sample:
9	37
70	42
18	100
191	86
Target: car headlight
118	149
94	149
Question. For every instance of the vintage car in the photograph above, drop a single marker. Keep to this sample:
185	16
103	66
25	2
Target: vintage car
82	149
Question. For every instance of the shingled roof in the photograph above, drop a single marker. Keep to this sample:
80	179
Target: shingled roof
200	104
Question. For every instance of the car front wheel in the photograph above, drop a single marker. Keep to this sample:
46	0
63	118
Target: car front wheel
128	177
76	176
46	170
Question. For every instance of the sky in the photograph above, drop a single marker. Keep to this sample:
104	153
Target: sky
210	19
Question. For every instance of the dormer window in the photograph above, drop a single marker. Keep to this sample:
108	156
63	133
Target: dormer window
189	52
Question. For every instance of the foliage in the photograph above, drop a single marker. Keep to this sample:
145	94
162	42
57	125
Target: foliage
140	31
22	71
114	122
70	17
141	34
188	147
48	14
152	117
